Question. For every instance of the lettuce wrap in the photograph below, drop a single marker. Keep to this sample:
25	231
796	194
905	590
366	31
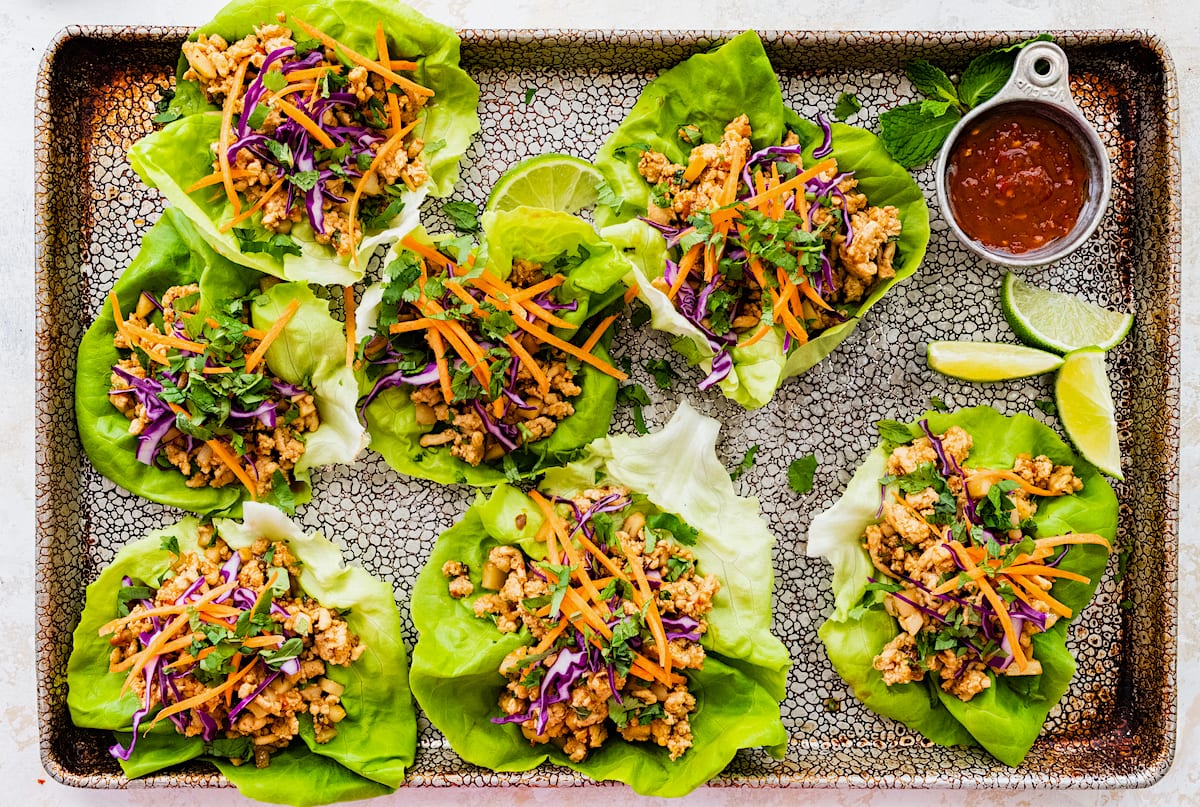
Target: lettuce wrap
1007	717
374	744
708	91
742	681
180	154
309	352
592	285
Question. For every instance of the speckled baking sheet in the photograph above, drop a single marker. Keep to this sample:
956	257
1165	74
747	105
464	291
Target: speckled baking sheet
1116	726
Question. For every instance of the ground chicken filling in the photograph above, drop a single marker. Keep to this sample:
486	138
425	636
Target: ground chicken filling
235	426
487	414
747	256
584	676
322	142
942	525
231	625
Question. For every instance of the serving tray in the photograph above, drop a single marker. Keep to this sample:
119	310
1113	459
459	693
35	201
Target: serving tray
566	91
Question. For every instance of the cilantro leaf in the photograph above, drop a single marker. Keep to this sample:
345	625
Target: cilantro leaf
1047	406
938	404
276	246
558	590
529	93
128	594
800	473
274	80
608	197
684	533
635	148
745	465
304	180
662	371
847	106
170	544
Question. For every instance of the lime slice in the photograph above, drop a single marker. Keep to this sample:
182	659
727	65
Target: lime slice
1085	407
989	361
1060	322
553	181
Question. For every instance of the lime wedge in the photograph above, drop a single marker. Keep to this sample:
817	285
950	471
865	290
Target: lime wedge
1085	407
552	181
1060	322
989	361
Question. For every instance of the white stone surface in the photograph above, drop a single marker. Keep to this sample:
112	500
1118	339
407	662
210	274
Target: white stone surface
26	26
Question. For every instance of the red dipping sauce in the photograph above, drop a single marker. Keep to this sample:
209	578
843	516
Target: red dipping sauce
1017	181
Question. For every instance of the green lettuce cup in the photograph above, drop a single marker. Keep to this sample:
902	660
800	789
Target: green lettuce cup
591	288
697	100
308	353
738	689
176	157
375	742
1008	715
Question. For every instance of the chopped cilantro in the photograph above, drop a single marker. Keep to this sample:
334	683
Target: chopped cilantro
800	473
529	93
746	463
464	215
662	371
684	533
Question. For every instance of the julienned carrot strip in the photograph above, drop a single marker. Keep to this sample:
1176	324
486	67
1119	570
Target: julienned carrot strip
589	614
271	335
406	84
546	316
539	375
762	331
605	560
166	610
729	191
154	648
997	603
439	354
1073	538
203	697
223	454
712	252
292	89
403	64
554	281
166	340
310	125
217	370
1013	477
169	647
383	151
653	620
216	179
311	73
579	572
408	326
594	339
225	133
351	340
685	266
792	184
1045	571
793	325
567	347
257	206
382	50
630	293
1037	593
808	291
549	638
472	354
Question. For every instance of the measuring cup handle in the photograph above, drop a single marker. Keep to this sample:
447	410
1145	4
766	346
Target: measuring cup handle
1040	72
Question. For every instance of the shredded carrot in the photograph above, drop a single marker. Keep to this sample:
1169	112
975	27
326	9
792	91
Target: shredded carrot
257	206
793	183
567	347
217	370
169	647
216	179
203	697
554	281
154	648
271	335
1012	476
597	334
304	120
589	613
630	293
419	324
685	266
224	455
351	340
383	151
1036	592
311	73
762	331
406	84
226	131
166	610
1046	571
811	294
549	638
729	191
439	353
539	375
392	104
653	619
1073	538
997	603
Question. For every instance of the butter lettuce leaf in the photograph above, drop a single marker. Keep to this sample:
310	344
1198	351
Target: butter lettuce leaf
594	283
455	674
176	156
1007	717
375	743
709	90
310	350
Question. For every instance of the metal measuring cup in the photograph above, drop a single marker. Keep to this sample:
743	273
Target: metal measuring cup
1038	85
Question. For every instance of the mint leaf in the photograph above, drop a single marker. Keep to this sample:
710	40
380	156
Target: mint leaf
931	81
987	73
464	215
800	473
847	106
893	431
934	108
913	136
304	180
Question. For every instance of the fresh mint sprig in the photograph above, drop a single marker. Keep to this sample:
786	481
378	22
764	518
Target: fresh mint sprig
914	133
